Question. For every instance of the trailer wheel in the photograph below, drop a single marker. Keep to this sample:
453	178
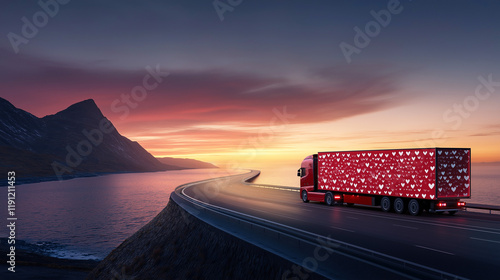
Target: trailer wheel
329	199
304	197
385	204
399	205
414	207
451	213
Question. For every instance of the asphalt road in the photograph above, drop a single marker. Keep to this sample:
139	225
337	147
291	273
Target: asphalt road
467	244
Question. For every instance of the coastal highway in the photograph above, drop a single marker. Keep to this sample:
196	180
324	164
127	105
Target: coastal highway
466	245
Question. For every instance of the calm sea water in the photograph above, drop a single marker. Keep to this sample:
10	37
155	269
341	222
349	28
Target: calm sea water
87	218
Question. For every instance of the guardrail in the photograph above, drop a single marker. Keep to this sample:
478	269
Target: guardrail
249	227
482	207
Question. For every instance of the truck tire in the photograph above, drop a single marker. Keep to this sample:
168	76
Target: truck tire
329	199
385	204
399	205
304	196
414	207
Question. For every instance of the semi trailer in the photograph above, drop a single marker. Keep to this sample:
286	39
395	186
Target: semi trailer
402	180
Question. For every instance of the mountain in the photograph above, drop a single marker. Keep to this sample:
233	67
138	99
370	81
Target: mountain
186	163
18	128
78	141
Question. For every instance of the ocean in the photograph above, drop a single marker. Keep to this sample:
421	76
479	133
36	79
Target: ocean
86	218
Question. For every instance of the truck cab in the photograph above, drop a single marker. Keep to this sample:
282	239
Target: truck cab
308	173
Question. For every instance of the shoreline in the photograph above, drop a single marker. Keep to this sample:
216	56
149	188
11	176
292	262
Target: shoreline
33	265
42	179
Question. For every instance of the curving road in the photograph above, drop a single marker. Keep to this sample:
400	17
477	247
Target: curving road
467	244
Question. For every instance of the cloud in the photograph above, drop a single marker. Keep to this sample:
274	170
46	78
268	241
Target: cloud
491	133
202	96
223	96
44	86
198	140
200	108
489	130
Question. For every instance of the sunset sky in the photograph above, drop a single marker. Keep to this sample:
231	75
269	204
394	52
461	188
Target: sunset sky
269	83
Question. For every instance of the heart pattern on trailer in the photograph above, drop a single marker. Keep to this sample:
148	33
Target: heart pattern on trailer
411	173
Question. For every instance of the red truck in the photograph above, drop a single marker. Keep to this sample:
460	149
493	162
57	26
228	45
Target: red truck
431	179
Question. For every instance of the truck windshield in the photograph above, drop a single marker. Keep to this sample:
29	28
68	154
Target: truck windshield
301	172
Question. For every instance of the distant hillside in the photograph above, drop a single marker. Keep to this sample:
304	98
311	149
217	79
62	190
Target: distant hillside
186	163
78	141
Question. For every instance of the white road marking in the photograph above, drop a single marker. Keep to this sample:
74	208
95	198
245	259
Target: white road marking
339	228
436	250
404	226
487	240
273	188
470	227
354	218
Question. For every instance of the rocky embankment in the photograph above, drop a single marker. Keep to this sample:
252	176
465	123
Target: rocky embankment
176	245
